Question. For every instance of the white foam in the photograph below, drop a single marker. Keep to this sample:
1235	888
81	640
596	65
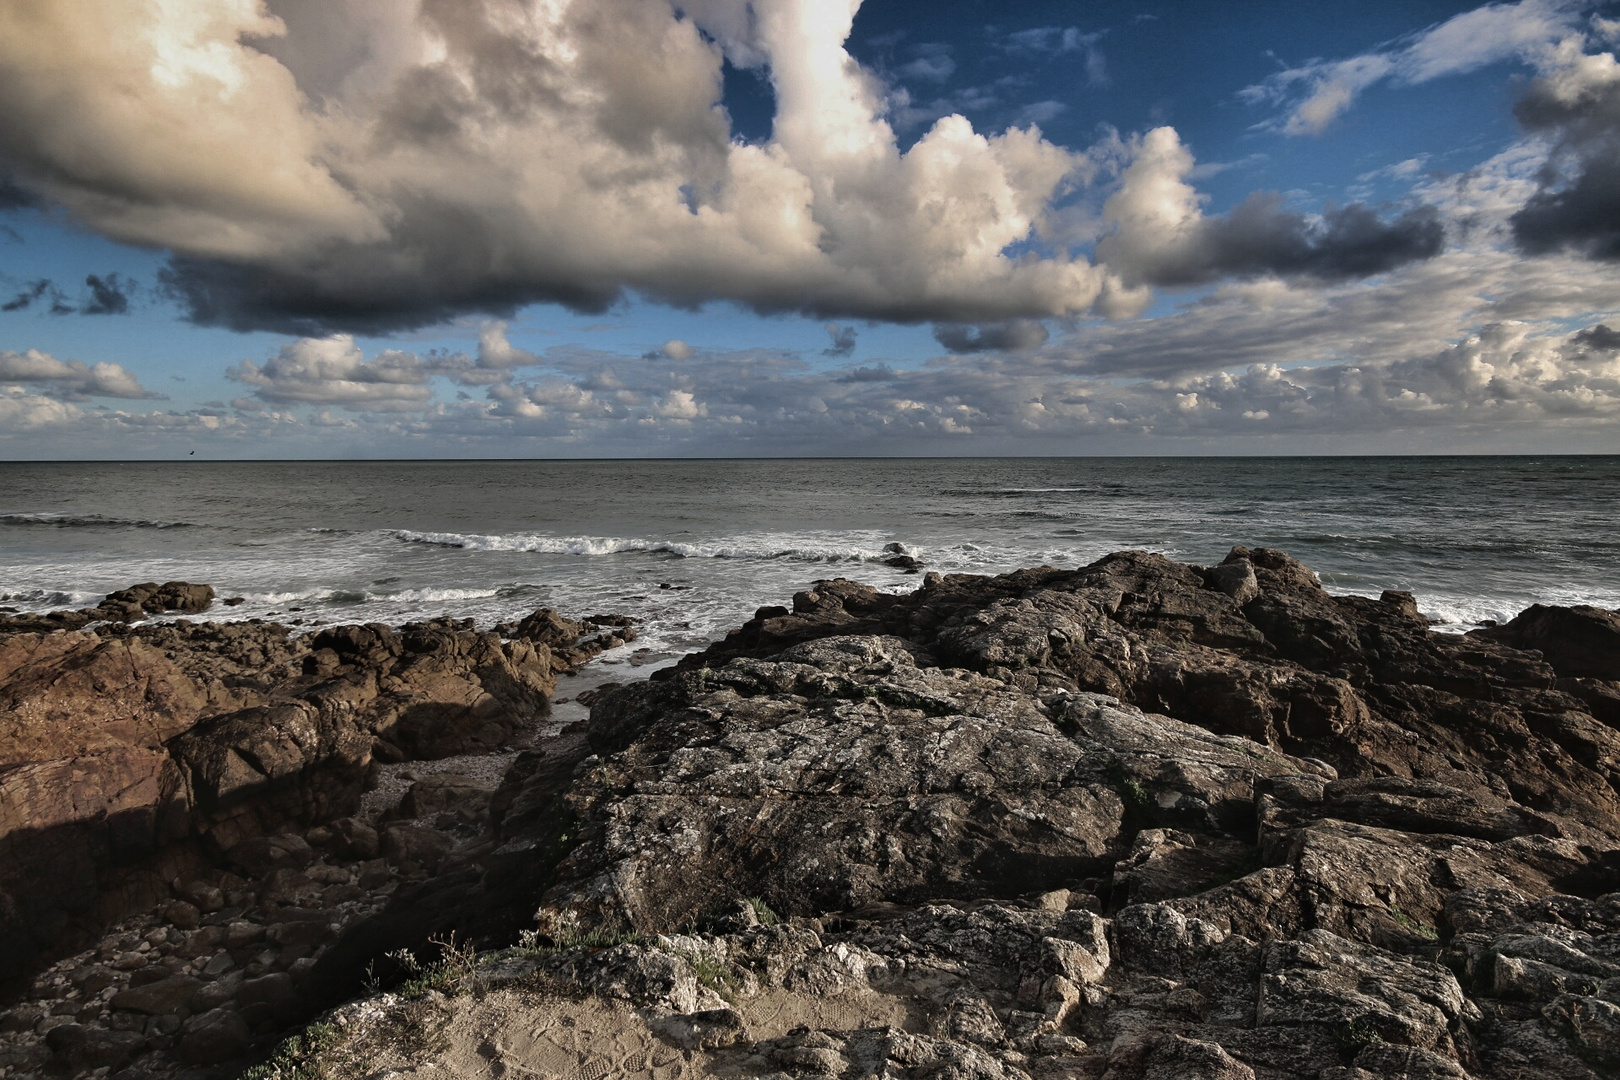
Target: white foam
797	547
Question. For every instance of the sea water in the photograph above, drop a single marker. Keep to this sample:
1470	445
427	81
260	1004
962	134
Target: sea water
692	548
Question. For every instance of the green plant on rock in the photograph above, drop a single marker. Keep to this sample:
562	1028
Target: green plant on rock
710	971
763	912
1134	793
1357	1035
1422	929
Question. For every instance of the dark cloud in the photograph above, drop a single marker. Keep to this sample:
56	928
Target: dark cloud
991	337
13	197
843	340
875	373
1599	338
1577	205
1261	238
33	291
316	302
108	295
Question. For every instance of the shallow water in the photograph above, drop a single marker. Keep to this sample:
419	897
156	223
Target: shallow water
691	548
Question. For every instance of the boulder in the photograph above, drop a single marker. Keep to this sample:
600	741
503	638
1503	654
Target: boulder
215	1036
81	1047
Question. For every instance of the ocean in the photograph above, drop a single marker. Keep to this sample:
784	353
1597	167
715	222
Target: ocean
691	548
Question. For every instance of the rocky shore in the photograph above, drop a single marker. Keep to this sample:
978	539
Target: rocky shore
1135	821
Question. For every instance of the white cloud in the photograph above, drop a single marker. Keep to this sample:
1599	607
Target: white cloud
1319	92
368	165
71	380
333	371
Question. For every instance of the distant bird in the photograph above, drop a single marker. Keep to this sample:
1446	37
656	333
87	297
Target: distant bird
194	453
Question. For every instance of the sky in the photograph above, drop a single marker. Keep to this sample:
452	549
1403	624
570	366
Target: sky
637	228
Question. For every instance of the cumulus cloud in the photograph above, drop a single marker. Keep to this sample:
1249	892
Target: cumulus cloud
1007	336
363	166
1319	92
1162	237
69	380
333	371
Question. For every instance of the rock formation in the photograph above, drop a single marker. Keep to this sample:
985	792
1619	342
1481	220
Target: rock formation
1135	821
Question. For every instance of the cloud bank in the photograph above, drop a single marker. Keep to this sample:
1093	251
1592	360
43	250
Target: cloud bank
368	166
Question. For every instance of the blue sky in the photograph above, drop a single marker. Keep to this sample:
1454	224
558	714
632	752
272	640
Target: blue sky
488	228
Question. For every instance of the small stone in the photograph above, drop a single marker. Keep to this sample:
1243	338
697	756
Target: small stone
374	873
92	980
1056	900
287	887
129	961
183	915
242	932
219	965
21	1018
207	897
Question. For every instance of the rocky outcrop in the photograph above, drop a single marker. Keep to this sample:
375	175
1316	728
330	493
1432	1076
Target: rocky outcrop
129	605
1138	820
130	755
1141	819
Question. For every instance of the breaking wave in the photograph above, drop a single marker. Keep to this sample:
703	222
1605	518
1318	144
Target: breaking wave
783	547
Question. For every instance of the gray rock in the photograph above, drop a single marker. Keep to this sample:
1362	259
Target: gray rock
1236	579
213	1037
158	998
1171	1057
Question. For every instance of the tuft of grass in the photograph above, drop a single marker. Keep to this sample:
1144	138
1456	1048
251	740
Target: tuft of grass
1358	1035
763	912
570	935
712	972
455	973
297	1057
1422	929
1135	794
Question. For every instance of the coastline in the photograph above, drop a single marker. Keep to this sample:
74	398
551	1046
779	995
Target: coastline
1172	771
